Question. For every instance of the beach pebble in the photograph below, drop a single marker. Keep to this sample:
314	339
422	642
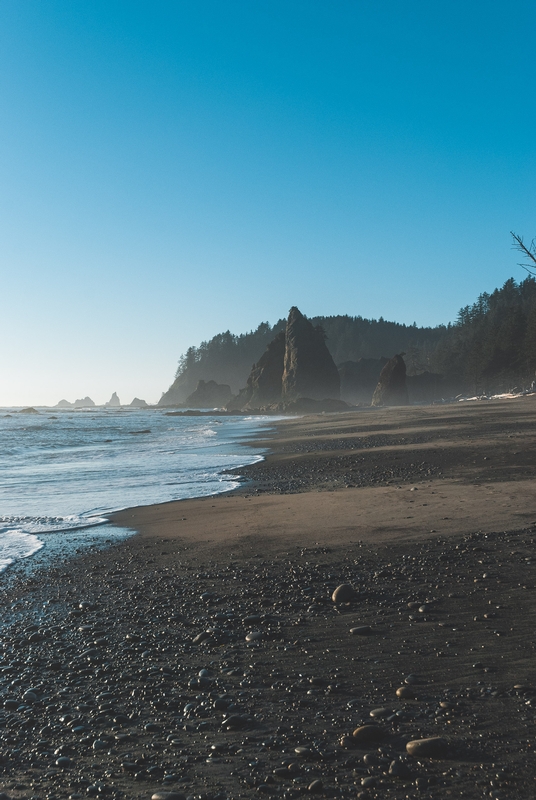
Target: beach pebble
381	713
435	746
254	636
316	786
400	770
366	734
235	722
164	795
361	630
405	693
344	593
98	744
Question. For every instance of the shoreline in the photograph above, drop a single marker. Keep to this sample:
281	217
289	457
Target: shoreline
348	453
204	656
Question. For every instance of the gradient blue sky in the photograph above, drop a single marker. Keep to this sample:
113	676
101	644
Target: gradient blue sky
170	170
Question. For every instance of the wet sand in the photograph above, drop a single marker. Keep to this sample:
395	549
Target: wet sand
205	656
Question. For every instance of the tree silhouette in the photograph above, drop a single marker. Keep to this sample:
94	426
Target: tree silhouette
528	252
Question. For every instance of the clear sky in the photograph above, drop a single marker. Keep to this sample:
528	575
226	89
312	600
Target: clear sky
171	170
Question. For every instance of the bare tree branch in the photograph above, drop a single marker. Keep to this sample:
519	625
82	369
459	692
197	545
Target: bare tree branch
528	252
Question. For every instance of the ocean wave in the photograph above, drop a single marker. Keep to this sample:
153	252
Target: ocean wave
15	545
44	524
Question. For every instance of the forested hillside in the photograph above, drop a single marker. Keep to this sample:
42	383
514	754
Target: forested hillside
228	358
490	347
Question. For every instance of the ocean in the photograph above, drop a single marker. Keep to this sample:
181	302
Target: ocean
63	471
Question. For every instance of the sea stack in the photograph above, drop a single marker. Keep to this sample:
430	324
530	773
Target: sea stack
84	402
309	369
296	364
64	404
209	394
391	389
264	384
113	402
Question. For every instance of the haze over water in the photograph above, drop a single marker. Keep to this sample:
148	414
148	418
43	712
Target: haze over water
61	471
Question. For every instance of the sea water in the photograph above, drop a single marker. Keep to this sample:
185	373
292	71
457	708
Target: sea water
63	471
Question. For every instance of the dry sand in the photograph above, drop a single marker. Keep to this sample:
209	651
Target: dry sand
205	657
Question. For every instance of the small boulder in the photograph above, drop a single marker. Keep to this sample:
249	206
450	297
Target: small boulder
344	593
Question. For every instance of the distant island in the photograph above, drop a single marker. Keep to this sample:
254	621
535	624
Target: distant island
113	402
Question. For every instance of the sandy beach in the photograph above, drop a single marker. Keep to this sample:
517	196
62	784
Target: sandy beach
205	656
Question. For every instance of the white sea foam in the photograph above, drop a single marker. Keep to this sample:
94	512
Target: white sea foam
15	545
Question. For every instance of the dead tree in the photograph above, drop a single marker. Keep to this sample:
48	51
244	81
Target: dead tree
528	252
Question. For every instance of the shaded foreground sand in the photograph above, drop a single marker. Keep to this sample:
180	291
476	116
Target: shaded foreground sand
205	656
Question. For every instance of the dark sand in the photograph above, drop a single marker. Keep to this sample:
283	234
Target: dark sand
429	513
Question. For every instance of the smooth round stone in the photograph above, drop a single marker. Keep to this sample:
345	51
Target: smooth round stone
252	619
344	593
98	744
79	729
400	770
426	607
302	751
412	680
234	723
163	795
254	636
361	630
405	693
381	713
281	772
435	746
315	786
29	697
63	763
368	733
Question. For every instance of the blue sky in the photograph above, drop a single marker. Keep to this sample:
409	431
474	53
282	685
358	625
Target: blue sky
170	170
